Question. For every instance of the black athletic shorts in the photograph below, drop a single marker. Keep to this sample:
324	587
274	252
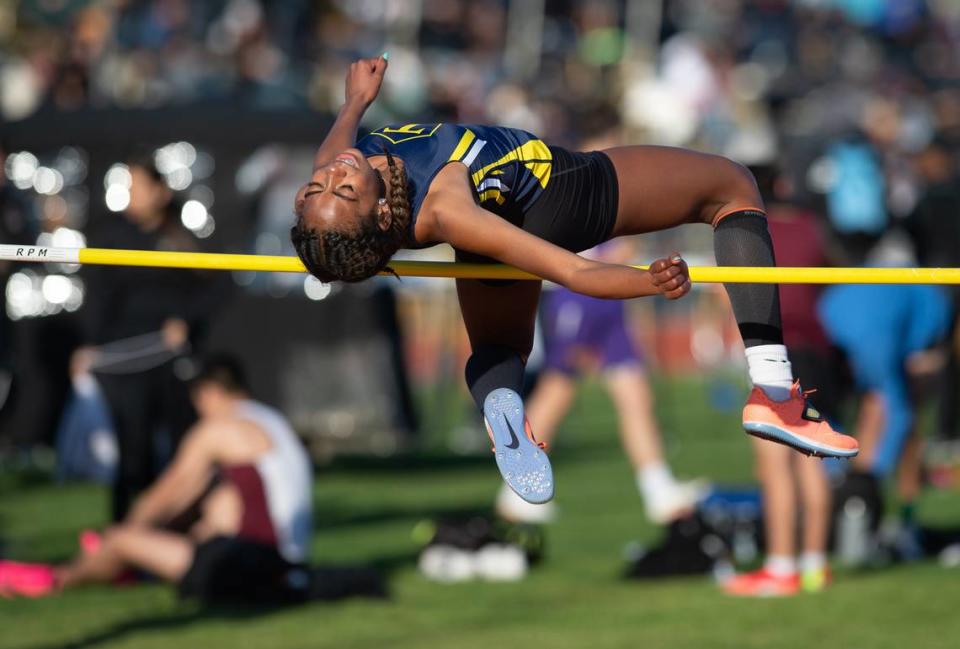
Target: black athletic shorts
231	570
576	211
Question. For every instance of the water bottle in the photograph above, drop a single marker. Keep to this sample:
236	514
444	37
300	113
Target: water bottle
853	533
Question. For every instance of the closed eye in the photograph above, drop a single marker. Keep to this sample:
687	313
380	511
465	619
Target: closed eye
346	192
317	189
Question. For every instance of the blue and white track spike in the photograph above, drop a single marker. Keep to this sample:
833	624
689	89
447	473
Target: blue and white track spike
524	465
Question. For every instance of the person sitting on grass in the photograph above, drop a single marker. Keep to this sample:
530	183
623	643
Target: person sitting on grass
254	522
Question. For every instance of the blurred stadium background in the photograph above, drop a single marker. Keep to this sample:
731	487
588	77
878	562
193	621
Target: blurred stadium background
230	98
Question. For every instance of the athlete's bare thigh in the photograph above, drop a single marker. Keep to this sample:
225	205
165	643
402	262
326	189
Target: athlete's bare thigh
662	187
500	314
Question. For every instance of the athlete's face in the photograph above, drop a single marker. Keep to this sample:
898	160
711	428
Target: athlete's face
341	194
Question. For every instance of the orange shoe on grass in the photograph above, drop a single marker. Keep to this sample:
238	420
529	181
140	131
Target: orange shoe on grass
795	423
762	583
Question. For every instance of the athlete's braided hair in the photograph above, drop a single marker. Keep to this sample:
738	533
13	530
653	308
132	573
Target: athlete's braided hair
332	255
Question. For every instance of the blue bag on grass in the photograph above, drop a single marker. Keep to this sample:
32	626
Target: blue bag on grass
86	443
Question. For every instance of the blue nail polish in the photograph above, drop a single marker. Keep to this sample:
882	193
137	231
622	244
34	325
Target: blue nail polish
385	56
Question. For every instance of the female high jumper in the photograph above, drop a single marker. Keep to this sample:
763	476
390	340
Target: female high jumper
501	194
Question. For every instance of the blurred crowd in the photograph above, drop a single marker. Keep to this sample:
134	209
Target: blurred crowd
711	72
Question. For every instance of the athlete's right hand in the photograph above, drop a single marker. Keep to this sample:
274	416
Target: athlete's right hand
671	276
364	79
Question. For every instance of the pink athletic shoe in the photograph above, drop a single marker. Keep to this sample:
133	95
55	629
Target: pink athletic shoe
26	579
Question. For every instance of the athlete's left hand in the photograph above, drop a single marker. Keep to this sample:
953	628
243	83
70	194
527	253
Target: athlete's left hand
671	276
364	79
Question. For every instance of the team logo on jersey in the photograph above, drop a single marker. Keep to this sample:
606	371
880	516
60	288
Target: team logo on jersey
406	132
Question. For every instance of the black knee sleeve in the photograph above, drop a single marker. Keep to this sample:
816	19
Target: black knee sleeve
742	239
491	367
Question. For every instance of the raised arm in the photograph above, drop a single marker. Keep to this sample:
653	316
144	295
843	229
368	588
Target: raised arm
454	217
362	86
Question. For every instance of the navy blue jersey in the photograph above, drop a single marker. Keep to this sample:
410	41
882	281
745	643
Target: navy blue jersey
508	168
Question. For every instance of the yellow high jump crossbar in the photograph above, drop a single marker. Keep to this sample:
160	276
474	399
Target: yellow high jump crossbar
266	263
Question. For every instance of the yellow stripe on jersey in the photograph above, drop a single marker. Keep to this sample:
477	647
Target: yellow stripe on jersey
534	150
462	147
541	170
492	193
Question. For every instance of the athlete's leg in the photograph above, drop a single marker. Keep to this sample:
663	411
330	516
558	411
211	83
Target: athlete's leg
500	323
662	188
160	553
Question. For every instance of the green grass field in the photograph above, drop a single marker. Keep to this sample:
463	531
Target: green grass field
366	511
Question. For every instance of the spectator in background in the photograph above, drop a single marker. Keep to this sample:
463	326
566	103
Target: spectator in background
135	323
934	227
584	335
789	480
856	196
245	470
886	332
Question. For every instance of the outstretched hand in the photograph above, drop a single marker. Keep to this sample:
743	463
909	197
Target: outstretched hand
364	79
671	276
